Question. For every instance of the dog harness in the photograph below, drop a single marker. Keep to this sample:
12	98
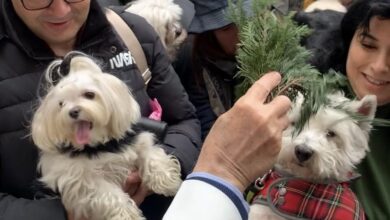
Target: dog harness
295	198
111	146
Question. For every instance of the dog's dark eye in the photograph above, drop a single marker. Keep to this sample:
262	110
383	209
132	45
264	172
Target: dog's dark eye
61	103
89	95
292	123
330	134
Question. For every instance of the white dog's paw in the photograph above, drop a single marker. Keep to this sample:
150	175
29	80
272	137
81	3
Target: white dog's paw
159	172
170	179
163	176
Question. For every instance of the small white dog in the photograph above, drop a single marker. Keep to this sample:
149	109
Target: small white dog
314	167
164	16
84	129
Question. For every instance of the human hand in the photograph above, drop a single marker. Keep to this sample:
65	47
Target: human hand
245	141
134	187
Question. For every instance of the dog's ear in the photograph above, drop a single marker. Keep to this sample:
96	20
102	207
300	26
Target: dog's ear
296	107
83	63
53	74
43	130
128	113
365	107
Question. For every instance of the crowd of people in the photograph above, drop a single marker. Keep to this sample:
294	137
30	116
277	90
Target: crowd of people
207	129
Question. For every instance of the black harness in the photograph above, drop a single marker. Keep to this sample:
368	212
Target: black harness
112	146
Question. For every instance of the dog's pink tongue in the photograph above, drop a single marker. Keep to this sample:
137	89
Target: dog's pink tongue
83	132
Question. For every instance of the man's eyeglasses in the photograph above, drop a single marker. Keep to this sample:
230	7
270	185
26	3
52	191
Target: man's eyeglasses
42	4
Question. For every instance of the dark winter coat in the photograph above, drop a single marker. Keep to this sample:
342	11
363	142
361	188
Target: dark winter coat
23	59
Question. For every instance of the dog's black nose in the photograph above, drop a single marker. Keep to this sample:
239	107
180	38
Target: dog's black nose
74	112
303	153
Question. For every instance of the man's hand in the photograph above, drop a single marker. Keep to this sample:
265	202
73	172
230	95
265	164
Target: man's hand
134	187
245	141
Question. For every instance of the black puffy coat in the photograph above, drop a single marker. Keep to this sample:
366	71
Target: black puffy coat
23	59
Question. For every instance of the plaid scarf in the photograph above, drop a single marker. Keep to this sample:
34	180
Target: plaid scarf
295	198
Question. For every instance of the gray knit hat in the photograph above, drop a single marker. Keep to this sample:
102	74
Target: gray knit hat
212	14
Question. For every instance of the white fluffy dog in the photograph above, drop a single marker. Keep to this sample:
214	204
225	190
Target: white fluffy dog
314	167
164	16
84	129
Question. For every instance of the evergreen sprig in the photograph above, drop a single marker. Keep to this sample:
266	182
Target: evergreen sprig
269	42
272	43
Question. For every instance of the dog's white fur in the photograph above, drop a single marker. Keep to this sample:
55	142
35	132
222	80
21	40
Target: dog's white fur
91	187
164	16
326	5
337	143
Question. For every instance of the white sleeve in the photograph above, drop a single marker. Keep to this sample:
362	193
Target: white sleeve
206	199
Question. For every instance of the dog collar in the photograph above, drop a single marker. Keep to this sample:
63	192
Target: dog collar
111	146
295	198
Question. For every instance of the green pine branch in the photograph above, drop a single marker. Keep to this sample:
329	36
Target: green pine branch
272	43
269	43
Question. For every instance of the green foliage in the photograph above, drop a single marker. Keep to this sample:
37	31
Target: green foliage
268	43
272	43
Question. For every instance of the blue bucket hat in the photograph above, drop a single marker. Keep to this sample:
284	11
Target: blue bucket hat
212	14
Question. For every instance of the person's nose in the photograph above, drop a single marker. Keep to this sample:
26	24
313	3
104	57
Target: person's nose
60	7
381	64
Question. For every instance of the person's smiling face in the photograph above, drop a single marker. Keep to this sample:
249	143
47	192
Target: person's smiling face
368	62
58	24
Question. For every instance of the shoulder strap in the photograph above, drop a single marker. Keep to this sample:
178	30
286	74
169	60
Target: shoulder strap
131	41
214	98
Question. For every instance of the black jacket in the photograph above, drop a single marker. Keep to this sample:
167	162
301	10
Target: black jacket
23	59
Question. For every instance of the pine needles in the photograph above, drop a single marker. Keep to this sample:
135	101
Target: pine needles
268	44
272	43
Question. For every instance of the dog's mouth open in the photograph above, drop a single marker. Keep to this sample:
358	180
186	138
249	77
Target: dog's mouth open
83	132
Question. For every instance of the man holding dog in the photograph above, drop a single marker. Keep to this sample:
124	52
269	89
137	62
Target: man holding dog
33	33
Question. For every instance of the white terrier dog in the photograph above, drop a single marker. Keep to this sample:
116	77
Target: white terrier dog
84	129
164	16
314	166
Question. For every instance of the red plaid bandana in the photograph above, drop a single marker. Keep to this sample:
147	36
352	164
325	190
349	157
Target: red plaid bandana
296	198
